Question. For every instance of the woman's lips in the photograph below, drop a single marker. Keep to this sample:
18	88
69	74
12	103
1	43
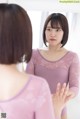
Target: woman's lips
53	39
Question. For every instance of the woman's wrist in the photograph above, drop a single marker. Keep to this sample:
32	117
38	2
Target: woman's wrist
57	113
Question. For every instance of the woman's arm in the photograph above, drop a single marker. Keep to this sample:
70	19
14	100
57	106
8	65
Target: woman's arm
74	72
30	67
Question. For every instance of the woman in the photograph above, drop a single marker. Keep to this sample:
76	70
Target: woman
56	64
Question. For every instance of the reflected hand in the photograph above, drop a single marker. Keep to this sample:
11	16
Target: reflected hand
70	95
59	98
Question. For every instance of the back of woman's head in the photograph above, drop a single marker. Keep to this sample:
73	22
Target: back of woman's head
15	34
57	19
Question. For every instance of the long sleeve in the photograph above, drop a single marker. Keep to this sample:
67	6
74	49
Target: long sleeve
44	107
74	75
30	67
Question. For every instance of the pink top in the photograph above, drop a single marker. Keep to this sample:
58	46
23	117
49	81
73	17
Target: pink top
32	102
66	69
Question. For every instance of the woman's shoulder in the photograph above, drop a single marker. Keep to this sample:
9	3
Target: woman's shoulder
72	57
34	52
73	54
37	52
38	81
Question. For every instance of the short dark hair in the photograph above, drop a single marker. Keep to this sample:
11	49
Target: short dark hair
57	19
15	34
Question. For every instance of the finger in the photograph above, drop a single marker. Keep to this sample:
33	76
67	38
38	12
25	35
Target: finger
70	93
65	94
58	89
63	89
68	98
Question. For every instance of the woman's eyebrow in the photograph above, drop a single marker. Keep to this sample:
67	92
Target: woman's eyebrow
48	27
55	27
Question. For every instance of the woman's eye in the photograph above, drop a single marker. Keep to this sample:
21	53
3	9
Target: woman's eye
58	29
48	29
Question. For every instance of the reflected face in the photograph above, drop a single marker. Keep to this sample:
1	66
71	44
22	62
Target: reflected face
54	35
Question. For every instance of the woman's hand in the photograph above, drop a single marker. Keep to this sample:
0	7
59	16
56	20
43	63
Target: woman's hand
60	98
70	95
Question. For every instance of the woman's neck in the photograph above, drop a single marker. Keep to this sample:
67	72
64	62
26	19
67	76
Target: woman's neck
55	49
8	68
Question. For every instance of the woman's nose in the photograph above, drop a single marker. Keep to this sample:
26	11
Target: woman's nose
53	33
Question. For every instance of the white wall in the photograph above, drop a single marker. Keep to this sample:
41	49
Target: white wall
48	5
3	1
